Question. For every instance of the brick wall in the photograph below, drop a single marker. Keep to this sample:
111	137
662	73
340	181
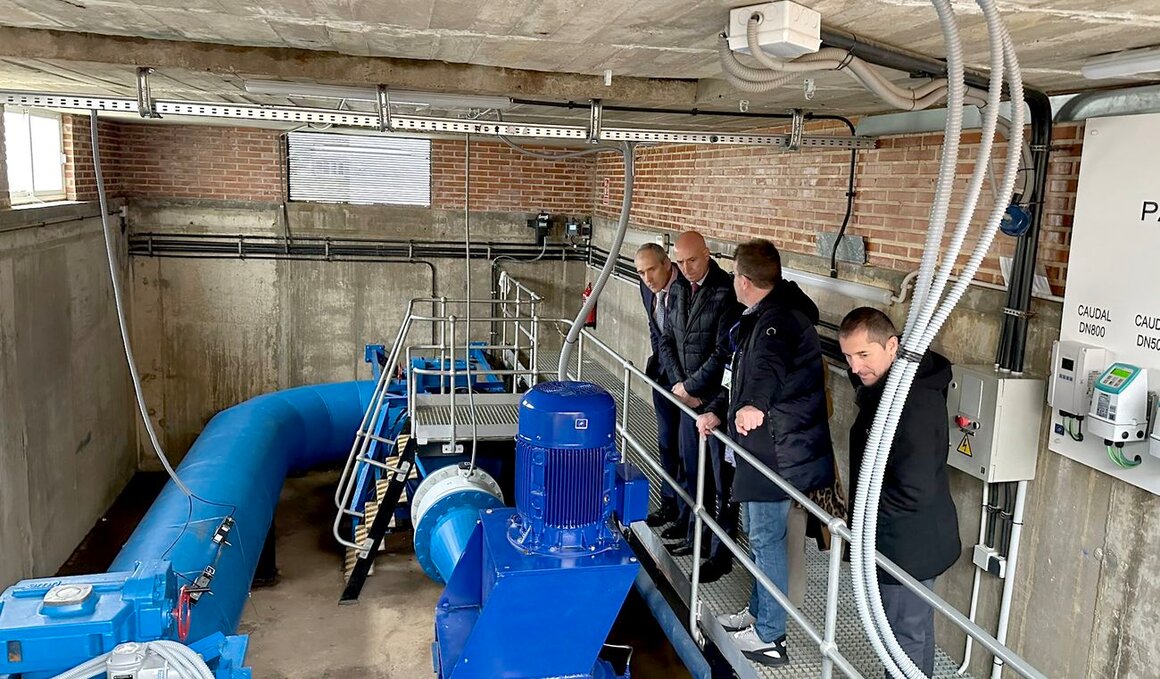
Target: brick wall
745	192
80	180
4	200
504	180
236	163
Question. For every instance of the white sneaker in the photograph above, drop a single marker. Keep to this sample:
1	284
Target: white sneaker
733	622
772	653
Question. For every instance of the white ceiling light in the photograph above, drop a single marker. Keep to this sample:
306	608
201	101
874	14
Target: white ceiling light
398	97
1122	64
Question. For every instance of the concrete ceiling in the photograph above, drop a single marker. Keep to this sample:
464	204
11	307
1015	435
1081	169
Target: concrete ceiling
666	48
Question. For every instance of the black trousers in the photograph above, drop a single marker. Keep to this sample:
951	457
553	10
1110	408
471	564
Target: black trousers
669	447
718	485
913	622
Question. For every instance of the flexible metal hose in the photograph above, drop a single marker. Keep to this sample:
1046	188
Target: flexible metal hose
629	151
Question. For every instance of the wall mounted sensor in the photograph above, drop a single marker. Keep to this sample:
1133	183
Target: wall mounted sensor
1119	410
542	224
1075	366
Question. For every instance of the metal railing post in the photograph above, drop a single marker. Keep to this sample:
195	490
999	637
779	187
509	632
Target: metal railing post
624	401
442	337
580	357
535	348
833	583
451	321
698	524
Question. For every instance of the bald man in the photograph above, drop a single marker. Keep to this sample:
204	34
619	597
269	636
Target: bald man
701	311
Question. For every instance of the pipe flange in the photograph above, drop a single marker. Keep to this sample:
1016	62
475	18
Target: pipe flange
463	500
448	481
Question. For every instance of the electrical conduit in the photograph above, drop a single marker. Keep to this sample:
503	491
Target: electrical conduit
922	325
629	151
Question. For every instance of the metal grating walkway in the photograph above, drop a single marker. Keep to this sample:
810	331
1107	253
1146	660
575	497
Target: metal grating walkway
731	592
497	415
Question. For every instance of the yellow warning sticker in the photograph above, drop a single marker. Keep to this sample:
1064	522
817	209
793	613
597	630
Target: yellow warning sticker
965	446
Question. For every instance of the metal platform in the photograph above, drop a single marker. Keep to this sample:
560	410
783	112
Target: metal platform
495	417
731	593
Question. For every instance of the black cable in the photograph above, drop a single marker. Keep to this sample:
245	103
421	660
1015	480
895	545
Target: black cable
1013	335
850	193
992	511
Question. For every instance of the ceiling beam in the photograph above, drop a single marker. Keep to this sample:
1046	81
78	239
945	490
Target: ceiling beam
332	67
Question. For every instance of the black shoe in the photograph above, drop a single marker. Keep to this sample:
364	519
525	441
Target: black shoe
686	548
714	569
666	514
675	532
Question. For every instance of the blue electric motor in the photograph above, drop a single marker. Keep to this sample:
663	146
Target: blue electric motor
538	587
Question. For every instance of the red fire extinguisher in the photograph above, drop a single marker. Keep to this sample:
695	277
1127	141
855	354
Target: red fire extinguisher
589	322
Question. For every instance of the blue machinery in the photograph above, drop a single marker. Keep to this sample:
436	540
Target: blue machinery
531	591
536	588
207	543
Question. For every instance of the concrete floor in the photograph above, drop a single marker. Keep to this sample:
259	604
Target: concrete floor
297	628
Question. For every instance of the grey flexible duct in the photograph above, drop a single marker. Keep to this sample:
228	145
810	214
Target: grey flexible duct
777	73
629	151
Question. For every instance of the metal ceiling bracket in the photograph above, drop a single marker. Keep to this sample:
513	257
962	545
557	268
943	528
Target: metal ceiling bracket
797	130
375	120
384	109
144	95
594	121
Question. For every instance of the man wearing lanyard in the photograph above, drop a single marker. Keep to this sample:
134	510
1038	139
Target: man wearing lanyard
701	311
657	277
775	407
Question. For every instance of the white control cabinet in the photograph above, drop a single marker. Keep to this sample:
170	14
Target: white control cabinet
994	423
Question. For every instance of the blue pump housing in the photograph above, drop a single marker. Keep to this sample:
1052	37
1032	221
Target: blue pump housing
538	587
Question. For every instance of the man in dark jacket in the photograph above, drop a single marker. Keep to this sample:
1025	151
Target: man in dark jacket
701	308
658	275
775	407
918	528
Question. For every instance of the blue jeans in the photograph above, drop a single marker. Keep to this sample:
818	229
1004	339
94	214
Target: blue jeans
765	523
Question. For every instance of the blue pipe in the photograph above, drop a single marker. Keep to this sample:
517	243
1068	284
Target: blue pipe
236	468
673	628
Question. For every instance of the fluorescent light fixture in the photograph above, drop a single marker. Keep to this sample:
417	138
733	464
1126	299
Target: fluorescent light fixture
398	97
1121	64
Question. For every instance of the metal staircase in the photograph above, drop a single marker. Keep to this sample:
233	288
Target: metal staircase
421	397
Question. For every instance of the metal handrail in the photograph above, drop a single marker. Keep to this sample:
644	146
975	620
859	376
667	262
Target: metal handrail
838	529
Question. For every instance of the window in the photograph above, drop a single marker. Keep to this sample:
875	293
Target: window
34	154
365	170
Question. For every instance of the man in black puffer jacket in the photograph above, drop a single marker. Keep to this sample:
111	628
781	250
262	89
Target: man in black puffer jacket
775	407
701	309
918	528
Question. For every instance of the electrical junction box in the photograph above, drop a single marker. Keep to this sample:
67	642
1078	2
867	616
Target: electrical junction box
1119	410
994	423
786	30
1074	369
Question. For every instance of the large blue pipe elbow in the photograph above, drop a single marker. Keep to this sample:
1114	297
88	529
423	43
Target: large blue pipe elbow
236	468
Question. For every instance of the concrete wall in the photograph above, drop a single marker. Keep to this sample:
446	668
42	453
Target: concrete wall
1084	603
4	201
67	440
213	333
